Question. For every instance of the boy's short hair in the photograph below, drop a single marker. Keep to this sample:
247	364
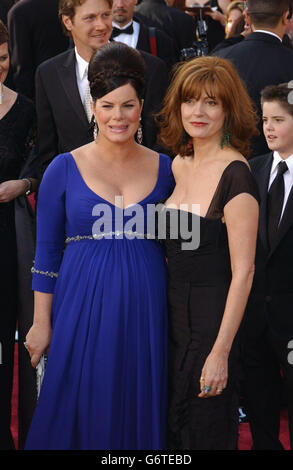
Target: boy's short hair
282	93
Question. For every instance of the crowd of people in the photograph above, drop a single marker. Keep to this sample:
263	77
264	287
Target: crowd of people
146	222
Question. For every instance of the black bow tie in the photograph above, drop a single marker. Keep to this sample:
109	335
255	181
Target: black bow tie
117	31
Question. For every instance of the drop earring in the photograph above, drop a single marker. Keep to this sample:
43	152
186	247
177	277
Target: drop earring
139	132
96	130
225	137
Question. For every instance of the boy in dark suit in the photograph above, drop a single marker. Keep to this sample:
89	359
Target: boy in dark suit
268	325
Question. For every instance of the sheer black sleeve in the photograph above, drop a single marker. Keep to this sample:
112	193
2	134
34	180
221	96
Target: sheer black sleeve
236	179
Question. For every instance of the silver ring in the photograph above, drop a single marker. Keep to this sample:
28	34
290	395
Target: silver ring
207	389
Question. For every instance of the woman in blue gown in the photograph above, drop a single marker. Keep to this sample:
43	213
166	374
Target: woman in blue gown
100	303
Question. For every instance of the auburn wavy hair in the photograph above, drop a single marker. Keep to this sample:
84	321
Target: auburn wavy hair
218	78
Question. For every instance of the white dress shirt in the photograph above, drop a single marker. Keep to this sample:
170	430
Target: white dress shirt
288	176
267	32
81	74
128	39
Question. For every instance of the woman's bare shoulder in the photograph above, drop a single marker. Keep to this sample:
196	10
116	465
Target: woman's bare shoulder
220	164
234	155
148	153
82	152
179	163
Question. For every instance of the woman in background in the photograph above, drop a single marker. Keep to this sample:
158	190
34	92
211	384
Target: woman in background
16	120
233	15
237	27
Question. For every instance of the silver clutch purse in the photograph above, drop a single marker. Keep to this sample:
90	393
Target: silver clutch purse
40	372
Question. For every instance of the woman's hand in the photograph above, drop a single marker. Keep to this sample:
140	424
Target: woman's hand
9	190
214	375
37	342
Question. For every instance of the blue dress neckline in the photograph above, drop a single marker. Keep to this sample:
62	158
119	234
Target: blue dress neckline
108	202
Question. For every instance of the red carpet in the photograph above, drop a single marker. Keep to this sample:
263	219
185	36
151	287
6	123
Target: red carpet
245	441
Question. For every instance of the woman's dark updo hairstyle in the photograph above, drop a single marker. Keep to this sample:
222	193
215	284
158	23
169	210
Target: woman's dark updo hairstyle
113	66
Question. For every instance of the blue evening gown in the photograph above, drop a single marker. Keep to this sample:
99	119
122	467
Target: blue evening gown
105	385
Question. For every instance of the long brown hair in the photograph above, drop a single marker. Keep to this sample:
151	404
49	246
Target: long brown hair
219	79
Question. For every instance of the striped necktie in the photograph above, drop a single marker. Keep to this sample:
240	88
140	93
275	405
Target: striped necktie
86	103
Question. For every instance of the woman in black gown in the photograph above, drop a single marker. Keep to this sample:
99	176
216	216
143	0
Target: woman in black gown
208	119
16	118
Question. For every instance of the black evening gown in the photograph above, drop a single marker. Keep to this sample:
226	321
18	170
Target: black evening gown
14	130
199	281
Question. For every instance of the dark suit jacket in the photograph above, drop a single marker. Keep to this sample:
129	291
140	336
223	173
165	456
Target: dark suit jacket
261	60
5	5
35	36
61	119
175	23
271	298
166	49
229	42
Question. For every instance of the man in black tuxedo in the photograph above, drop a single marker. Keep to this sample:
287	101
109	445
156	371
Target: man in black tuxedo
174	22
268	322
261	59
64	121
131	31
35	36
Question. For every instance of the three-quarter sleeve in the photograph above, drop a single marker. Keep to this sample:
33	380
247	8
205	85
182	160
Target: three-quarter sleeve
50	226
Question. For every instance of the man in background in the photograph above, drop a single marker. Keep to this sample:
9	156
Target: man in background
131	31
261	59
64	118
